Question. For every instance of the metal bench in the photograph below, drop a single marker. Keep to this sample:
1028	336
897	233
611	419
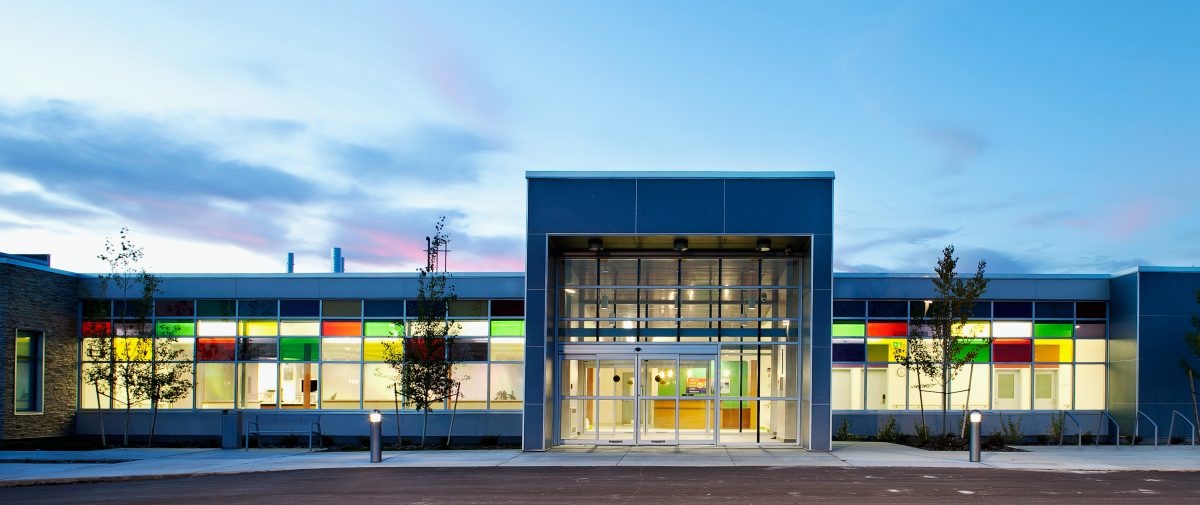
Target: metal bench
275	424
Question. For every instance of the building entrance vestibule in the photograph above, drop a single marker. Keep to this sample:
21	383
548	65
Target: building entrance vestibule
648	399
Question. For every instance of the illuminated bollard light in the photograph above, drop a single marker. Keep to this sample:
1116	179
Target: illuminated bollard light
376	419
976	419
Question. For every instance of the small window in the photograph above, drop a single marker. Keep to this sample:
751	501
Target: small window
28	380
508	308
1014	310
1006	386
299	308
383	308
849	308
258	308
887	308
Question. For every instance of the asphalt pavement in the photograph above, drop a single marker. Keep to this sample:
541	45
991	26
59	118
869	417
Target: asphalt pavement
632	485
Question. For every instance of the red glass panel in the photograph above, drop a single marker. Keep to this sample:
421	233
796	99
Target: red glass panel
341	328
887	329
215	349
96	328
425	348
1012	350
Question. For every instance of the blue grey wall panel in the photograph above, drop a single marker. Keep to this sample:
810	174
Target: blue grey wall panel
1123	348
1167	303
676	206
581	205
779	206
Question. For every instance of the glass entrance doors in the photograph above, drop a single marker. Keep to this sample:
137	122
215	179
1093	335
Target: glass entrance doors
638	400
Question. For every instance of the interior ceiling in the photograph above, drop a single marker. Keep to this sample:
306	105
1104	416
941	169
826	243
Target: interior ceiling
667	242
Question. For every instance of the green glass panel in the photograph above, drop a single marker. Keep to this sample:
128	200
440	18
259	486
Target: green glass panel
508	328
299	349
981	346
1053	330
383	329
175	329
849	329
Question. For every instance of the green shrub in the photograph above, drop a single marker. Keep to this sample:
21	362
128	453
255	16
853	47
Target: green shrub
843	432
1057	426
888	433
1011	430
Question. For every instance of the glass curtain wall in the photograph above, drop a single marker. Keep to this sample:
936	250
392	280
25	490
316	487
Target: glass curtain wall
1028	356
312	354
747	307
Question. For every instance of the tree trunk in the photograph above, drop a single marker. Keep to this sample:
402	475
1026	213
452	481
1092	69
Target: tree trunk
424	426
1195	411
962	432
153	423
921	400
396	404
453	411
945	386
100	411
128	414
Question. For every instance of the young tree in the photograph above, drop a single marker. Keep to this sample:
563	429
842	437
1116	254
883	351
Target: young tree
938	347
427	366
393	356
168	378
1193	342
126	369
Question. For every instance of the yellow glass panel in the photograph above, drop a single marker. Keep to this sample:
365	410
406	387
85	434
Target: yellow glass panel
132	349
373	348
880	350
299	328
973	329
1053	351
258	328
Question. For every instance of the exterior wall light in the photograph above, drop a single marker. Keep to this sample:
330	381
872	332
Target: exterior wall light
763	245
595	245
681	244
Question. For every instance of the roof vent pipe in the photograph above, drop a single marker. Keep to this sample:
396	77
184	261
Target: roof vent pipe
335	260
291	264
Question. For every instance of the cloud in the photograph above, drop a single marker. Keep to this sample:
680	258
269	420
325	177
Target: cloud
959	145
427	153
93	170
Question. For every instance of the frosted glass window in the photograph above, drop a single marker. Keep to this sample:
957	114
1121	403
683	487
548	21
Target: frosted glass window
886	387
1089	387
299	328
507	386
341	349
214	328
340	386
1089	350
1012	329
508	349
214	385
471	328
474	379
378	387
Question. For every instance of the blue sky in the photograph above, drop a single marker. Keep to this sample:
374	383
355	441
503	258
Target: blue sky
1041	136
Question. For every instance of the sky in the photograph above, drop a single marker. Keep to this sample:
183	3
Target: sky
1044	137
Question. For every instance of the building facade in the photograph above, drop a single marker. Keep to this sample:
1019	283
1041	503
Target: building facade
656	309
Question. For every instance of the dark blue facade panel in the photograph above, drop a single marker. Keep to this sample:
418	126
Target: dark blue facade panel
677	206
1168	293
582	205
535	261
779	206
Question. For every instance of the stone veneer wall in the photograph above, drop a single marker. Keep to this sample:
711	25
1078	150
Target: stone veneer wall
35	299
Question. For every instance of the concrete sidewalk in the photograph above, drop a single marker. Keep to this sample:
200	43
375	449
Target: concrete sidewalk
63	466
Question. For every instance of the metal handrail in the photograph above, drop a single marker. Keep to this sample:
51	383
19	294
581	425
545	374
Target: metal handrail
1171	432
1137	426
1078	429
1104	414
